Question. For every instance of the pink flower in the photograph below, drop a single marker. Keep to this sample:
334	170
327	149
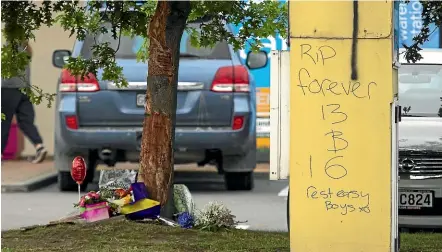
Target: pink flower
94	195
82	202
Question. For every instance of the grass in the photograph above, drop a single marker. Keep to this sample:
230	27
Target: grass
421	242
128	236
125	236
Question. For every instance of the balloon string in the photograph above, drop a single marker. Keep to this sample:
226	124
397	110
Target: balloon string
79	196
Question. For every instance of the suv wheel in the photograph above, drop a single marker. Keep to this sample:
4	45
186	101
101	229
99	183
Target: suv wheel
239	181
65	181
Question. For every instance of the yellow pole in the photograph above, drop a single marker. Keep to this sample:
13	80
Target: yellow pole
342	174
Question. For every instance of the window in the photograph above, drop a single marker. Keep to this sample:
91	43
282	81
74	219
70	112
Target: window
420	89
130	46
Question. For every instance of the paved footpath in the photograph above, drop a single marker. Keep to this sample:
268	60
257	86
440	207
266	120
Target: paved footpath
22	176
261	208
39	206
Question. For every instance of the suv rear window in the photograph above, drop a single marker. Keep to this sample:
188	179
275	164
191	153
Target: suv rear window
129	46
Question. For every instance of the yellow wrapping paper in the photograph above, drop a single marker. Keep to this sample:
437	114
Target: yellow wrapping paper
138	206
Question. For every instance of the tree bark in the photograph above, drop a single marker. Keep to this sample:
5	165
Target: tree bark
156	157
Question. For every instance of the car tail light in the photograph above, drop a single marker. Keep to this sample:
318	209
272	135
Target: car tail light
238	122
70	83
231	79
71	122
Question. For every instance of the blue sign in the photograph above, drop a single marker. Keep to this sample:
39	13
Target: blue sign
410	25
396	44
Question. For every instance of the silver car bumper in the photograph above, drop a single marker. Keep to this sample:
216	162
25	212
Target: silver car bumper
430	222
422	221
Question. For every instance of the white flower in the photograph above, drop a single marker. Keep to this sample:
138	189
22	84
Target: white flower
215	216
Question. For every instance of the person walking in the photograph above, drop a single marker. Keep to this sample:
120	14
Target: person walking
14	102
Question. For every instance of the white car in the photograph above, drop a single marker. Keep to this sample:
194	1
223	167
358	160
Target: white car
420	141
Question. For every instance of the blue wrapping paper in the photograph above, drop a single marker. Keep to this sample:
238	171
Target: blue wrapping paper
139	191
150	213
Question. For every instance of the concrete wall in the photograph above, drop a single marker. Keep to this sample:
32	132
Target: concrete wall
44	75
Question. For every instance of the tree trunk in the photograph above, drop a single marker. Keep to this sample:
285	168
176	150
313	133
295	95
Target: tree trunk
156	157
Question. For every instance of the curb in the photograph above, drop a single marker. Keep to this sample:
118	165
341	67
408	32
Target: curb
31	184
195	175
49	179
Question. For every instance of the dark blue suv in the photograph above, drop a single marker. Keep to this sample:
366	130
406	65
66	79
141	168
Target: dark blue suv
215	117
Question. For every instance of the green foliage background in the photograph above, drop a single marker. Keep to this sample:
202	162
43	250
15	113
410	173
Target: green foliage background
23	18
259	19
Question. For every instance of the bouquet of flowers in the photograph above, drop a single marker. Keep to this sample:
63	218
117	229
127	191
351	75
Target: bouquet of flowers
215	217
114	199
92	198
94	207
117	198
89	199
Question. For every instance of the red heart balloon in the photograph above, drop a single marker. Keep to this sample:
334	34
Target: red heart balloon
78	170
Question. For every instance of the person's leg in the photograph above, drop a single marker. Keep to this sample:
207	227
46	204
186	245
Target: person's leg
25	118
10	101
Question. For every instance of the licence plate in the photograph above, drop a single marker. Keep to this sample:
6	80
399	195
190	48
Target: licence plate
141	99
415	199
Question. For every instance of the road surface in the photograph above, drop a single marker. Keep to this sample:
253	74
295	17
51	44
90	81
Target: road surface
262	208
